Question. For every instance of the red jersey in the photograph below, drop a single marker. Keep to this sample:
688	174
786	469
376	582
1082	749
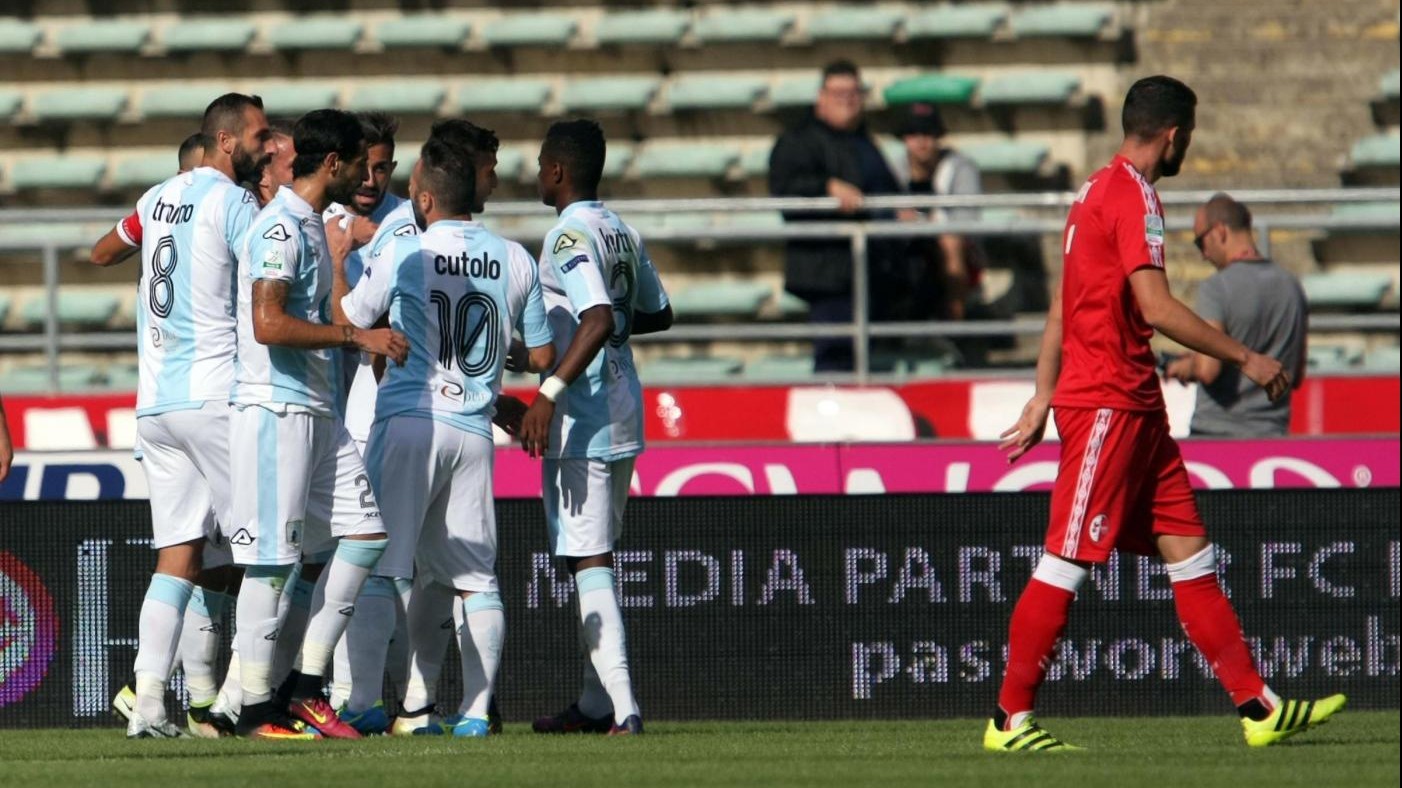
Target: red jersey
1114	229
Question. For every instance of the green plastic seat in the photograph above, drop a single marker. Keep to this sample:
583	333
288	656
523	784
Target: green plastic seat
1380	150
1010	157
17	36
502	95
722	299
798	91
221	34
674	371
1031	87
423	31
1062	20
64	235
686	161
956	21
530	30
656	26
931	89
1386	360
406	97
789	304
10	101
302	33
780	369
755	220
34	379
1369	211
57	172
79	104
1391	85
106	35
851	23
743	24
1329	358
509	162
609	93
700	91
295	98
1346	290
616	159
179	101
141	172
84	309
755	161
122	377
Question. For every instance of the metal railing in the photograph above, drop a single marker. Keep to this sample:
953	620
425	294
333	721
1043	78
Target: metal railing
858	233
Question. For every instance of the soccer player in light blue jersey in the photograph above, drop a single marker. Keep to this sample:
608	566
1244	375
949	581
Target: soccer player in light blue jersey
458	290
298	482
190	227
587	419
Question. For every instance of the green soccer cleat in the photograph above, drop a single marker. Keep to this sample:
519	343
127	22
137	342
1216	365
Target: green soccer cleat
1027	737
1289	718
124	703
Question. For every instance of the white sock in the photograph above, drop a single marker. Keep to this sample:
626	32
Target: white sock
256	616
199	643
430	628
293	627
397	658
604	638
593	699
480	643
334	602
158	638
367	641
341	671
231	691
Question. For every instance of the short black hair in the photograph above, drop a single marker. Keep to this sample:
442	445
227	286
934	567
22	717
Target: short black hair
379	128
841	68
226	114
466	135
321	132
1157	103
1223	209
448	172
281	126
578	145
195	141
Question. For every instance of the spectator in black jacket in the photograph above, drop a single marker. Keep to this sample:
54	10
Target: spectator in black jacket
831	154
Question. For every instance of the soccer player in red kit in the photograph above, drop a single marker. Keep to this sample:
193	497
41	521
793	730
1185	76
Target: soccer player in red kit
1121	483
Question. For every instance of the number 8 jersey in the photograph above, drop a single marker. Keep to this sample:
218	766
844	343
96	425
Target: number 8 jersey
187	337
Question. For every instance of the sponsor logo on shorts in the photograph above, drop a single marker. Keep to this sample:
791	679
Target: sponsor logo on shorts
242	538
1098	526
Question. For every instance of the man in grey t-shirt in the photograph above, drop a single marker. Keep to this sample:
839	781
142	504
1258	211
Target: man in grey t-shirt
1257	303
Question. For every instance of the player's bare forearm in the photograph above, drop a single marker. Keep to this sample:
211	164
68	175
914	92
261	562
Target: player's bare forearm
273	326
110	249
652	322
1049	355
1206	369
1177	322
540	359
595	326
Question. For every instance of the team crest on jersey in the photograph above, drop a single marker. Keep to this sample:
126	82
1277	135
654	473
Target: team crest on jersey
1098	526
574	262
563	242
1153	230
277	233
272	261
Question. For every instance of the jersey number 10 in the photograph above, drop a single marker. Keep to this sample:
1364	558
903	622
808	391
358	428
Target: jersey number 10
460	327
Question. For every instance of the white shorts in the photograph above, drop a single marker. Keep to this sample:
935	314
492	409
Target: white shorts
438	506
185	454
584	502
298	484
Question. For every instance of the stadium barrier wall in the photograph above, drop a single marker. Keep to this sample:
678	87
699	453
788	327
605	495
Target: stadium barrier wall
801	607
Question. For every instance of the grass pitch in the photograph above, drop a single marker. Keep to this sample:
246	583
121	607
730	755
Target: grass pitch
1356	749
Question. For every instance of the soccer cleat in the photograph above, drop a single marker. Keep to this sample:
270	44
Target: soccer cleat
493	717
632	726
1289	718
124	702
1027	737
279	730
139	728
572	720
316	712
225	712
371	722
423	723
471	728
203	723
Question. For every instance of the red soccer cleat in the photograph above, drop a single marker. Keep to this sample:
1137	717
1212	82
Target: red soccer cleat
316	711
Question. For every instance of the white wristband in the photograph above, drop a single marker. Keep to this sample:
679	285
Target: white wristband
552	387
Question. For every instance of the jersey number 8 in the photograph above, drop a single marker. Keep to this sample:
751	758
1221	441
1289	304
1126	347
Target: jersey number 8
162	288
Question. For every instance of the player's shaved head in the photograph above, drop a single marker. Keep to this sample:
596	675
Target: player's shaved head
1224	210
228	114
1155	104
448	172
191	152
578	147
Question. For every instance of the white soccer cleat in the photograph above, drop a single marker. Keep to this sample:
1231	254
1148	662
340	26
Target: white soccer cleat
139	728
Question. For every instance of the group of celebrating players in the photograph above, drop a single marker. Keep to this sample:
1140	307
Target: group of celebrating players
319	378
320	370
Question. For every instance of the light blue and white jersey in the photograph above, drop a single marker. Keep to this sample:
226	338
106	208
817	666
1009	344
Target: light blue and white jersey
287	243
455	291
192	225
592	257
355	261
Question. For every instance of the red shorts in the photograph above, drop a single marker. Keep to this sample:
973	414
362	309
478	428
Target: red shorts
1121	482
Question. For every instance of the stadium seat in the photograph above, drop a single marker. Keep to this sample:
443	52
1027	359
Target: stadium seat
141	172
780	369
1346	290
1007	157
1062	20
57	172
721	24
214	34
82	309
4	312
755	161
509	161
404	97
674	371
609	93
78	104
427	30
122	377
1330	358
295	98
301	33
1033	87
931	88
616	159
721	299
655	26
723	91
530	30
107	35
686	161
847	23
796	91
1391	85
34	379
179	101
9	103
502	95
757	220
1386	360
1366	211
17	36
956	21
1380	150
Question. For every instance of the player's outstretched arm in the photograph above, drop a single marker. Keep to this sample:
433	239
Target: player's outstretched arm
110	249
1032	424
595	326
1177	322
652	322
273	326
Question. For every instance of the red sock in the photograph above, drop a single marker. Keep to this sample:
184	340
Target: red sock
1037	623
1209	621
